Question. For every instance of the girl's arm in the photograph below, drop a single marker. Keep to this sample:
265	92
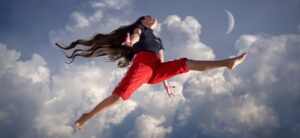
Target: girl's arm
161	55
165	82
134	38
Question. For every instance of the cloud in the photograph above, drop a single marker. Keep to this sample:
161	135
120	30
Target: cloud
81	21
251	101
181	38
150	127
245	42
177	35
23	89
35	103
258	99
113	4
77	88
274	81
147	97
97	16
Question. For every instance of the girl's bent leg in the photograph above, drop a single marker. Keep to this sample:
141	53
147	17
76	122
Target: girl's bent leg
101	107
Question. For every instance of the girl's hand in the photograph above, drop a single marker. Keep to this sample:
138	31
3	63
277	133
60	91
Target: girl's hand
127	41
168	88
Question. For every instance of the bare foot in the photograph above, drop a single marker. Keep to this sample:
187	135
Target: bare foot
233	62
80	123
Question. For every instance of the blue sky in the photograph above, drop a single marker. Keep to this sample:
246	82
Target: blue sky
258	99
25	25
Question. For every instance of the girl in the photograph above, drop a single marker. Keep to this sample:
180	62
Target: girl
143	51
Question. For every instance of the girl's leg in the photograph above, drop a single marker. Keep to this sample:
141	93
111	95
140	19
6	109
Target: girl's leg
230	63
137	74
169	69
101	107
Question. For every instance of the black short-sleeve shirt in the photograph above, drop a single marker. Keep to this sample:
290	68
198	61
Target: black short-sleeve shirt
148	41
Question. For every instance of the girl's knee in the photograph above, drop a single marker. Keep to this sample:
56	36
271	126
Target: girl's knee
117	97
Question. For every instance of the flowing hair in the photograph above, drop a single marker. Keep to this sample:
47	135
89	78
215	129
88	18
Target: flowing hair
105	44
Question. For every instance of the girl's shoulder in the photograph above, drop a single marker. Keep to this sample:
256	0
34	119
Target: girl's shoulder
141	26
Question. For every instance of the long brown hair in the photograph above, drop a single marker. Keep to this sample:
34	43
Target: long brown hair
105	44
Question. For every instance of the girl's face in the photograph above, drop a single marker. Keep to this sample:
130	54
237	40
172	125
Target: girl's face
150	21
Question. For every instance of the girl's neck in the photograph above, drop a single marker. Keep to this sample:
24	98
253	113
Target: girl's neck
148	26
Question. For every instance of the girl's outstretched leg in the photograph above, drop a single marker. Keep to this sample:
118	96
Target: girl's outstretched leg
101	107
230	63
172	68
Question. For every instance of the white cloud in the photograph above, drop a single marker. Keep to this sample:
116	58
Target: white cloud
75	91
23	89
98	16
149	127
244	102
80	20
49	105
153	102
245	42
118	4
252	101
238	116
113	4
77	88
36	70
181	38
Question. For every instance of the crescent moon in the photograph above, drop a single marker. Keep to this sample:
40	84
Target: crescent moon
230	22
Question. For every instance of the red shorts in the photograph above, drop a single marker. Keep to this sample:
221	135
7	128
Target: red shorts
147	68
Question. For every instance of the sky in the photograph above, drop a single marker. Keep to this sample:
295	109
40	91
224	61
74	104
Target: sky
41	96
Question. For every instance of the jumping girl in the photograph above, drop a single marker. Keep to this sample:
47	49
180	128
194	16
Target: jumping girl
137	46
